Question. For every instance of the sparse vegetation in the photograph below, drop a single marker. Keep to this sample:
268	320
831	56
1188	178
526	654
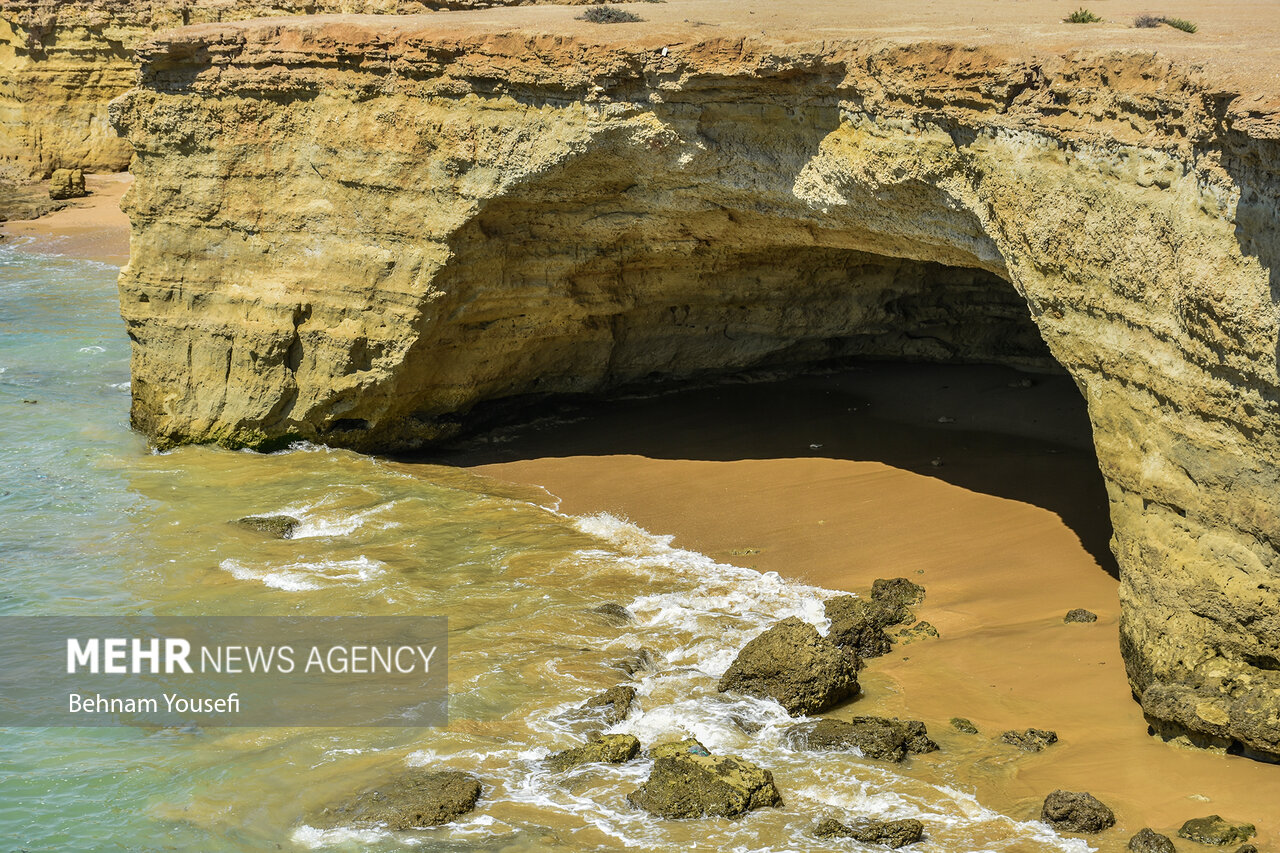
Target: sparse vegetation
1082	16
1147	22
608	15
1180	24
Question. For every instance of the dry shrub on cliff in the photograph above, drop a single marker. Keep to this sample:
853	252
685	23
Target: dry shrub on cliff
1146	22
1082	16
608	15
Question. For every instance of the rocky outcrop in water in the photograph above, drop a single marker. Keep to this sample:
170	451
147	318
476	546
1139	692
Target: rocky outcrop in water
887	833
1069	811
377	235
1030	740
792	663
1214	830
413	801
607	749
688	785
874	737
1147	840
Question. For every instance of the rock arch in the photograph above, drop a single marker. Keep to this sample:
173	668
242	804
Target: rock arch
469	235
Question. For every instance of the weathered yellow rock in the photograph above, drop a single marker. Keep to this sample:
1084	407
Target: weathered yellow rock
62	61
365	234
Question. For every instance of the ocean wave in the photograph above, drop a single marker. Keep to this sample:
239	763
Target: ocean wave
305	576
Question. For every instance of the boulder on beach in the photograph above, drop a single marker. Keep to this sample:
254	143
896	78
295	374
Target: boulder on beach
899	591
687	785
1080	615
792	663
1030	740
1071	811
67	183
874	737
1215	830
613	705
607	749
1149	841
853	626
963	724
889	833
277	526
412	801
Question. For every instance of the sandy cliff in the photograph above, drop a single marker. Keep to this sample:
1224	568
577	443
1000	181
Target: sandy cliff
62	62
363	232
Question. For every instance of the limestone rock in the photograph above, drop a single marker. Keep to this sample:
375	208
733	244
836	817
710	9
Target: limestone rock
1149	841
412	801
890	833
67	183
1068	811
277	526
874	737
804	671
688	785
1030	740
462	249
1080	615
962	724
1214	830
614	704
852	625
608	749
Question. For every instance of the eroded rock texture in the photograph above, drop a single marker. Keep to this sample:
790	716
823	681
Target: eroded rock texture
363	233
62	61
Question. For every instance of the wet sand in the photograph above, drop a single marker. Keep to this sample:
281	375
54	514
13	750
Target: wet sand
1007	534
93	228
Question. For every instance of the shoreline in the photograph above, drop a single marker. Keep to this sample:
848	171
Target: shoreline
1000	573
92	228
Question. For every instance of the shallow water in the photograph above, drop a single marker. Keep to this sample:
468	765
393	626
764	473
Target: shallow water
94	524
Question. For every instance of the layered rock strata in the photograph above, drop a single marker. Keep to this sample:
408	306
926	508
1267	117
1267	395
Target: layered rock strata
62	62
364	233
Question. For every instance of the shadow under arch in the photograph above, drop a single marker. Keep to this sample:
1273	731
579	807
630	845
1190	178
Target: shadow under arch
631	265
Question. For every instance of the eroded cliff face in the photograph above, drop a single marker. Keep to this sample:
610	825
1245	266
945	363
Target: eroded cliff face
358	234
62	61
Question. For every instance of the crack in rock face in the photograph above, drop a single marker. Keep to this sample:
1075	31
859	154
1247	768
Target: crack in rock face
499	220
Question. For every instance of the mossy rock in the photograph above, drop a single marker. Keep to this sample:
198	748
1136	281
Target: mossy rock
688	746
792	663
1215	830
690	786
613	705
888	833
1030	740
413	801
276	526
854	626
874	737
1071	811
1149	841
609	749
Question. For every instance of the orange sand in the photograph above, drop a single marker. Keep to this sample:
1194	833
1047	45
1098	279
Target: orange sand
93	228
1000	575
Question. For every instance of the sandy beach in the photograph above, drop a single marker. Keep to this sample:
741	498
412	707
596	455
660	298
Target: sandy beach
1007	533
93	228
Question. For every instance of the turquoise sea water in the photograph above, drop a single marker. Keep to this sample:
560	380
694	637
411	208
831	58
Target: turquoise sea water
93	524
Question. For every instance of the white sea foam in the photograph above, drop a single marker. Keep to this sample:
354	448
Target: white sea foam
304	576
93	349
